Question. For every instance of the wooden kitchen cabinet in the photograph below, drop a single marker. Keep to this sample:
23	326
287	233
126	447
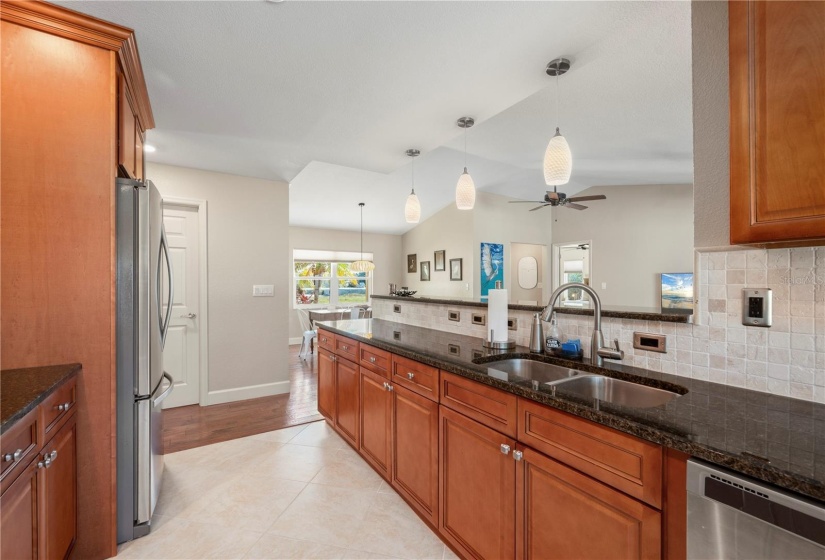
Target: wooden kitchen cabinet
562	513
376	422
347	400
415	451
477	482
19	520
59	496
326	384
777	121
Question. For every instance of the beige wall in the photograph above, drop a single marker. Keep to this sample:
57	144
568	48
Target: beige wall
711	164
386	250
248	244
517	252
637	233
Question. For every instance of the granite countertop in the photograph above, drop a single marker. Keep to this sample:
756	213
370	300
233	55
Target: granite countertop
618	312
768	437
21	390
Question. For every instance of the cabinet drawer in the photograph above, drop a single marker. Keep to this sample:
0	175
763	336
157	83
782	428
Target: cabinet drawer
326	340
18	445
375	360
415	376
58	405
494	408
627	463
346	348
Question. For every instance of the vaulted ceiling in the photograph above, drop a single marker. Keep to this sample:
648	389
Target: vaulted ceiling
329	95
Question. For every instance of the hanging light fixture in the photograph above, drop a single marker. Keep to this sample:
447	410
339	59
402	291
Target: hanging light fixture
465	190
412	209
558	161
361	265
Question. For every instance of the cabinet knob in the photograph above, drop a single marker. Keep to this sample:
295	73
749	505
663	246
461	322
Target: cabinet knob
64	406
410	375
331	357
517	455
505	448
345	347
13	456
372	359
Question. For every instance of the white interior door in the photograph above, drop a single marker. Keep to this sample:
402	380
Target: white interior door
181	355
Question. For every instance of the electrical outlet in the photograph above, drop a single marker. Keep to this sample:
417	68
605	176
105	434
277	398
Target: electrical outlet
264	290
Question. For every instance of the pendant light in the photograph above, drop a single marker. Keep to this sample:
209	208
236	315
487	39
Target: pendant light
412	209
465	190
558	161
361	265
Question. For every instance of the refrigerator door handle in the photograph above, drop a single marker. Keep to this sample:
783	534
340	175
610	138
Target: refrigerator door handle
164	252
159	399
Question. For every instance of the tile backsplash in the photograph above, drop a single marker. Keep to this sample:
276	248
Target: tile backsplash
786	359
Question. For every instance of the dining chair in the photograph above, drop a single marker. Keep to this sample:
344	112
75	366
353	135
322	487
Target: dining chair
309	334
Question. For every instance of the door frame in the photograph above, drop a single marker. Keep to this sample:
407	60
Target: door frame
203	289
555	266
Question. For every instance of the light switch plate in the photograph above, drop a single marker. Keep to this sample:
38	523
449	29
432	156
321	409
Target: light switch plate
263	290
756	307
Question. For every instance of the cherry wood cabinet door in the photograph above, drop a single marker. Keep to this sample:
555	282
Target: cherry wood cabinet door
59	496
376	421
19	521
777	121
477	488
415	451
347	400
562	513
326	384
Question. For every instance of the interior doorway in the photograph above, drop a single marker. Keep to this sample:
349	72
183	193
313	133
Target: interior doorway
572	262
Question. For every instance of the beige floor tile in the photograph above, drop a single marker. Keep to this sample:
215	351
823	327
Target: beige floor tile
390	527
325	514
349	474
279	436
361	555
449	554
271	546
293	462
318	434
183	487
385	488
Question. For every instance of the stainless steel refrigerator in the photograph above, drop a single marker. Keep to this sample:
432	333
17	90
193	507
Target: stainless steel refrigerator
144	307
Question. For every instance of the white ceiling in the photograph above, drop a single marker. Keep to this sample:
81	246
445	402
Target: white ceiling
329	95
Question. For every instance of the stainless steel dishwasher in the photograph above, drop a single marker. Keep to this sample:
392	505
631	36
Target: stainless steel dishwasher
732	517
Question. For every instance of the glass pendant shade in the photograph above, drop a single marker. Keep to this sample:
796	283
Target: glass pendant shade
412	209
362	266
558	161
465	192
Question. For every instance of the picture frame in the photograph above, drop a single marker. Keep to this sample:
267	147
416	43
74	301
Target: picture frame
412	263
425	271
677	292
456	269
440	263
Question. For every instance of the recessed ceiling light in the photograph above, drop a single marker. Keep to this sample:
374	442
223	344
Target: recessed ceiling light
148	148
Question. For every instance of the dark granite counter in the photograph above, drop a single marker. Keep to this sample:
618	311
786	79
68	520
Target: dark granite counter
618	312
771	438
21	390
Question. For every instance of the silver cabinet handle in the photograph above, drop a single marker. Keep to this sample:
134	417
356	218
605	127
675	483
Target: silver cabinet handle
189	316
389	387
345	347
386	386
410	375
64	406
13	456
517	455
372	359
331	357
505	448
48	459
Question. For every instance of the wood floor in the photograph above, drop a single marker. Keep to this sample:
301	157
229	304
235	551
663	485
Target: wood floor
193	426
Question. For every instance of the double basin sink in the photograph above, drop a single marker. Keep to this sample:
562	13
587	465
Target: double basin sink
580	384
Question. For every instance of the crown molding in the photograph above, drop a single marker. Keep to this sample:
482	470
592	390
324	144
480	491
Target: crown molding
83	28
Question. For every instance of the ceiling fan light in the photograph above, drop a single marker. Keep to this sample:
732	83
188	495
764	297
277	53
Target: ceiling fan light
412	209
558	161
362	266
465	192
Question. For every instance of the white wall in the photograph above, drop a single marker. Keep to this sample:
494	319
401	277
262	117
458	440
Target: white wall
637	233
386	250
248	244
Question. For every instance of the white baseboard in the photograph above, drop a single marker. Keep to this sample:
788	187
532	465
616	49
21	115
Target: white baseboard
244	393
296	340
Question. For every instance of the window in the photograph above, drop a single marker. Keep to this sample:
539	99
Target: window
329	282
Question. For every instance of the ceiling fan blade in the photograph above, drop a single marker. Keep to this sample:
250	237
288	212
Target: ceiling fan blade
583	198
575	206
523	201
538	207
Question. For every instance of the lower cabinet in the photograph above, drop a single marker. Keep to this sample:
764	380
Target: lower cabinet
477	484
19	520
347	399
562	513
376	422
415	451
326	384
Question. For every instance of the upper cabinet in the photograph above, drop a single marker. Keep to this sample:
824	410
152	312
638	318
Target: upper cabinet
777	121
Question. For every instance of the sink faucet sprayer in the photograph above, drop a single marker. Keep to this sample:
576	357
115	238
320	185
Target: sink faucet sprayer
598	351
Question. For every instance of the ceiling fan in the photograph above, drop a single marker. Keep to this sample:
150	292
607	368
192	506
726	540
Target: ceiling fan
555	198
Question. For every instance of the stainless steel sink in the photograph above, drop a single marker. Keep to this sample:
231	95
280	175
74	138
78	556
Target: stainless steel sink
616	391
517	369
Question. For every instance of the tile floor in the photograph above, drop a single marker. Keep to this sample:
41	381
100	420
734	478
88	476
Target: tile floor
299	492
